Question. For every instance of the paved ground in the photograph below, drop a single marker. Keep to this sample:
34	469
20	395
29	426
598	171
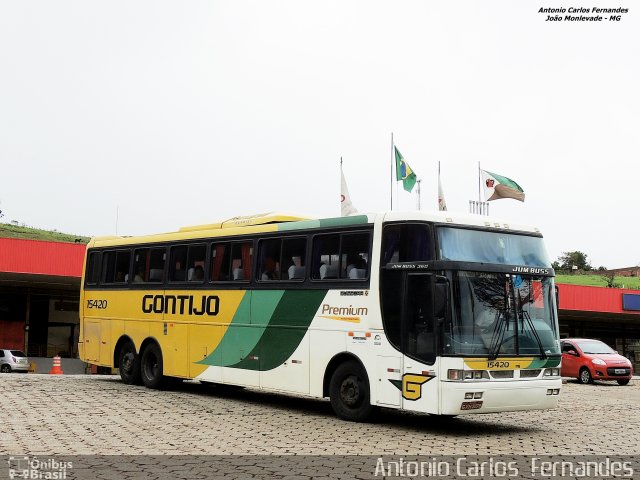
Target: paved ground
49	415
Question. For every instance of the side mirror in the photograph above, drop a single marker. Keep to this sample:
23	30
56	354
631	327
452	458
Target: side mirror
573	352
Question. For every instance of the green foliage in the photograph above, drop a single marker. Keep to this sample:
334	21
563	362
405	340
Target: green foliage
568	260
18	231
600	281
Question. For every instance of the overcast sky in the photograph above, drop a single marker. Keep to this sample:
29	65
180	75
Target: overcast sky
179	113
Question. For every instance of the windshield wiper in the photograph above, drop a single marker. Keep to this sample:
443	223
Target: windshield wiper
525	315
497	338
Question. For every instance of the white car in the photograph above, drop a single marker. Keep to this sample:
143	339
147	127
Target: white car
13	361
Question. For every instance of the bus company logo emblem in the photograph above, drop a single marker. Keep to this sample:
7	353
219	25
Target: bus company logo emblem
532	270
411	385
490	182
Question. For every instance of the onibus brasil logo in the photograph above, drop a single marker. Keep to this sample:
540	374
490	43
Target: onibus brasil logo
38	469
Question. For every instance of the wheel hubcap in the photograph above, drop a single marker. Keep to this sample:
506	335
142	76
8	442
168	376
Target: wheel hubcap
127	362
350	391
585	376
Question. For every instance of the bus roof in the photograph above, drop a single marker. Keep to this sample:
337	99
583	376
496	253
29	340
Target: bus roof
278	222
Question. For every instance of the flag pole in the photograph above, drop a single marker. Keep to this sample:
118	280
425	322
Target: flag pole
391	184
419	194
479	182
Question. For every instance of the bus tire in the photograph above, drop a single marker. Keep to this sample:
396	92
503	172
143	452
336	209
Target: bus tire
129	365
349	392
151	366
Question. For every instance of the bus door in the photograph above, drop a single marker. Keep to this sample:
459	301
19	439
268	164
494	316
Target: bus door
420	363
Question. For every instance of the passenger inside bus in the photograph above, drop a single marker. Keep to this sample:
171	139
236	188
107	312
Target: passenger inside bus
269	269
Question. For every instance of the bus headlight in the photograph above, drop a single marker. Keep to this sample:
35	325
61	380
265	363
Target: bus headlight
552	372
460	375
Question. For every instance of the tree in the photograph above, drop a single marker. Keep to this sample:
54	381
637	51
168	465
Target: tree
568	260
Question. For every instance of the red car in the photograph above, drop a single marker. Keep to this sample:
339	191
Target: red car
589	360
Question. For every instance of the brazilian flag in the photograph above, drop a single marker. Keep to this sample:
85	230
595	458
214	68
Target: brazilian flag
404	172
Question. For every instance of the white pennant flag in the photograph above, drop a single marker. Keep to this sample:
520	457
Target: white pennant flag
442	204
346	207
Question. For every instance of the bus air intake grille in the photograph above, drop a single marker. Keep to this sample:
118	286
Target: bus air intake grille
529	373
501	373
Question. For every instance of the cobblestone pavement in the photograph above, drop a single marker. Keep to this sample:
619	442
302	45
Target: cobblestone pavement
69	415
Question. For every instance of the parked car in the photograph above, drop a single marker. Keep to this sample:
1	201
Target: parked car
589	360
13	361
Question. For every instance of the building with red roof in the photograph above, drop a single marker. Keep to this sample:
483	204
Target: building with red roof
39	295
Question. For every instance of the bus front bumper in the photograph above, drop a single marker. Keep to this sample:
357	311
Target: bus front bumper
460	398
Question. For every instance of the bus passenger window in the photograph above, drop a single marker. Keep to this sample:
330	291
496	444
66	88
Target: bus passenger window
195	263
326	257
241	260
293	257
269	259
91	274
220	262
115	266
406	243
149	265
355	256
177	272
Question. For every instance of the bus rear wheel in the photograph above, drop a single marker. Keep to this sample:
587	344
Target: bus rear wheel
129	365
151	366
349	392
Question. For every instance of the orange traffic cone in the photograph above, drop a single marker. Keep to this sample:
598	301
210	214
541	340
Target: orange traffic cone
56	369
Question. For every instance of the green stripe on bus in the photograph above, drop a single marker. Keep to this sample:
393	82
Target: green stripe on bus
288	325
545	363
247	326
324	223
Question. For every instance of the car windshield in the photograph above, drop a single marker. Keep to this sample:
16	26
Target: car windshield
17	353
594	347
501	314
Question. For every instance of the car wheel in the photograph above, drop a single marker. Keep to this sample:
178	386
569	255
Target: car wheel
151	366
623	382
129	365
585	376
349	392
5	368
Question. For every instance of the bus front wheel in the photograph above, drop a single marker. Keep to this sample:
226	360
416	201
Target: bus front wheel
129	365
349	392
151	366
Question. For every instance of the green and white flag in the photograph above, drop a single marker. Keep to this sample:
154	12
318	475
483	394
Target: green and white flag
404	172
497	187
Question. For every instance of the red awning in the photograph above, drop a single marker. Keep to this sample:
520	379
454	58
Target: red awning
44	258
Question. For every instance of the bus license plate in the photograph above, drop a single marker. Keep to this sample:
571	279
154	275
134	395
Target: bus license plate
620	371
470	405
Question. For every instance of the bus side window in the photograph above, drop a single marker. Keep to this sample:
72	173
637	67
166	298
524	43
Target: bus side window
241	260
354	255
269	259
115	266
149	265
325	257
177	262
220	261
195	262
406	243
293	257
91	274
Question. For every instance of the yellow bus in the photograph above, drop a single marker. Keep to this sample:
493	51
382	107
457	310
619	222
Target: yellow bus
431	312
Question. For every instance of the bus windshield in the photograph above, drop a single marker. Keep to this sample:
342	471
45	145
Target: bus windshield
498	314
465	245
